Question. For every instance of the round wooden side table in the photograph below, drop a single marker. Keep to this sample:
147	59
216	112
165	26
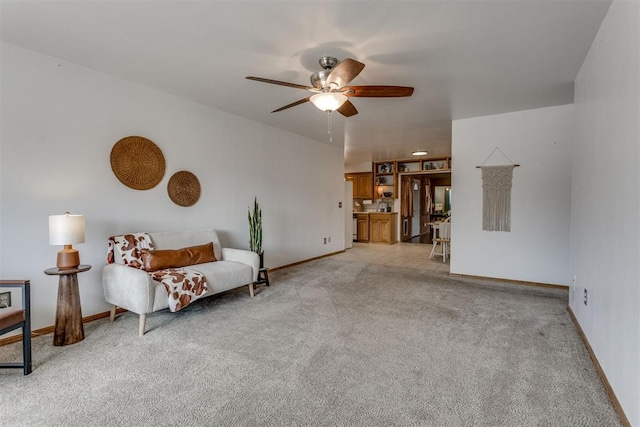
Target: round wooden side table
68	329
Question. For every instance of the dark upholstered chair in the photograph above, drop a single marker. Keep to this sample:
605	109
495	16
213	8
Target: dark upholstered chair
14	318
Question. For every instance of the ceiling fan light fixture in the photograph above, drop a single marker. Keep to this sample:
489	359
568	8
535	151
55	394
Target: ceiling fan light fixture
328	101
420	153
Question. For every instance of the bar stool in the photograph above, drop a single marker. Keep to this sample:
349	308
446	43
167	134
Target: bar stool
443	240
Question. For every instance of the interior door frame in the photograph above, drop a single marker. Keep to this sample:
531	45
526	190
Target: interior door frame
405	220
436	179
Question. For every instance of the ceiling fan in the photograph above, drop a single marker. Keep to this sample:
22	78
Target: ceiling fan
330	90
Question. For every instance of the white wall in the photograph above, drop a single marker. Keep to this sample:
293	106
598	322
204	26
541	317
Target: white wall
605	211
59	124
358	167
537	248
348	214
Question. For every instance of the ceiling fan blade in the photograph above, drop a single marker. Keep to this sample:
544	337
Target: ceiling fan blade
344	72
378	91
278	82
293	104
347	109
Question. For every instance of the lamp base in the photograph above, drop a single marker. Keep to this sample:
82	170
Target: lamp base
68	258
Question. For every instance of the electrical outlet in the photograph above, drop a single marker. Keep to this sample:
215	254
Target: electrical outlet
325	240
5	299
585	297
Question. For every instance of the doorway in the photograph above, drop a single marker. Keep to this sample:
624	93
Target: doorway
425	198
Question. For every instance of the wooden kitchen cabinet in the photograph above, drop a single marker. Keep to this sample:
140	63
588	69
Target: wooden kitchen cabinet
383	227
362	184
365	186
363	227
375	231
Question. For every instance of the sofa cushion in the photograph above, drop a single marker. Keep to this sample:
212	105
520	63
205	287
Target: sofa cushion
225	275
220	276
175	258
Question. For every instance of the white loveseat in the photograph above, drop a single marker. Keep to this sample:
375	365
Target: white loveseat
134	290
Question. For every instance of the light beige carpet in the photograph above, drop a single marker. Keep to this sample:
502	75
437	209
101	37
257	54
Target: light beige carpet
331	342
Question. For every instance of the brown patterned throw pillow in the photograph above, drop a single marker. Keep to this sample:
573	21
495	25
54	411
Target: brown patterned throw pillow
175	258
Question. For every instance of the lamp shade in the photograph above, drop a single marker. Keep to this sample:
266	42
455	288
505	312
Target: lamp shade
66	229
328	101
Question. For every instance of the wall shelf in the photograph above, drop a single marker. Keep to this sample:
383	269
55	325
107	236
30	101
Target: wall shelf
385	176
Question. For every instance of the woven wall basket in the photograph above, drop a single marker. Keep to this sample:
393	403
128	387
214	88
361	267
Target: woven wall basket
137	162
184	188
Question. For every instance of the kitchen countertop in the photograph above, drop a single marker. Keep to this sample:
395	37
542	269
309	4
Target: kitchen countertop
374	212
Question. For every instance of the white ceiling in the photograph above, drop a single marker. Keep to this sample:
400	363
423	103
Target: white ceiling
464	58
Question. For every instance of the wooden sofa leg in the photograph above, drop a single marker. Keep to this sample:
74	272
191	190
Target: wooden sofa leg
251	289
143	320
112	313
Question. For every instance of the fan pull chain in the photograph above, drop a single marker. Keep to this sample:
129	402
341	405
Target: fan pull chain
329	126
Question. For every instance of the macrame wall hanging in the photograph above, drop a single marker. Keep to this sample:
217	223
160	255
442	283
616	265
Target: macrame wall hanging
496	194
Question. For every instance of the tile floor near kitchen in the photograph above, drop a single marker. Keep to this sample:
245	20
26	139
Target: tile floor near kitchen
415	255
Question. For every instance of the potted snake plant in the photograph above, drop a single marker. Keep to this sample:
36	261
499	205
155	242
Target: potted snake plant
255	230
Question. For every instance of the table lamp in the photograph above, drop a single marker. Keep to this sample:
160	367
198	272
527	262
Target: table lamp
66	230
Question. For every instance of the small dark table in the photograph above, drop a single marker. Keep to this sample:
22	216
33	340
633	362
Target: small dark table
68	329
263	277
